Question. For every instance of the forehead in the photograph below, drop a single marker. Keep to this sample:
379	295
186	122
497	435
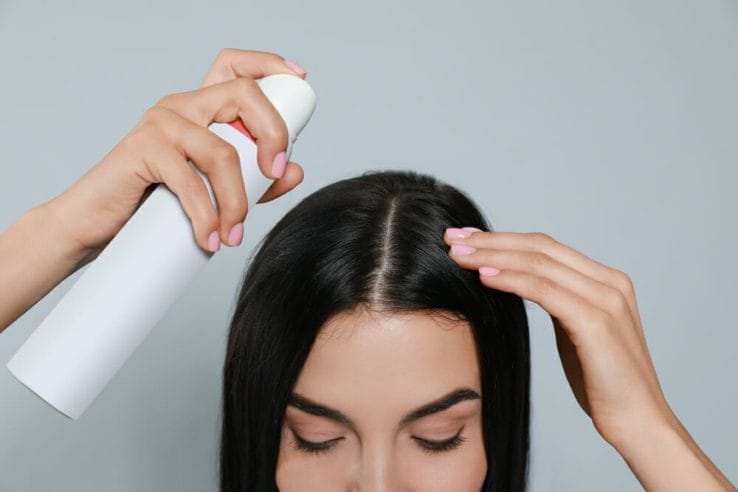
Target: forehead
364	362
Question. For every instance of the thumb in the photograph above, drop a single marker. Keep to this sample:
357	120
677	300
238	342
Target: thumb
293	175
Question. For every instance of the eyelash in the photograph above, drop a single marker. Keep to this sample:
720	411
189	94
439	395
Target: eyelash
314	447
430	447
433	447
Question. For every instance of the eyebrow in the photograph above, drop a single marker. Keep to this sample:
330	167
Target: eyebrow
443	403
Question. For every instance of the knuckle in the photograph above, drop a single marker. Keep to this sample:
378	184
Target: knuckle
175	100
624	282
277	132
234	206
225	154
545	286
616	302
223	52
165	101
273	55
140	137
542	238
241	92
598	319
243	86
539	259
153	115
194	185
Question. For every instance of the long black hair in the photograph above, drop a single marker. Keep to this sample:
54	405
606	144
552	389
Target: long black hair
374	240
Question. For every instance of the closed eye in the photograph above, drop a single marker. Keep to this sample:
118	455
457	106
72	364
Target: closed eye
313	446
431	446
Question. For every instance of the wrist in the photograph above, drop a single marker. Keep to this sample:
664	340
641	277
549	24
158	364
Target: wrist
624	431
55	227
36	253
663	456
644	429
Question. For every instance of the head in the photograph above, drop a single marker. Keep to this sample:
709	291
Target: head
362	357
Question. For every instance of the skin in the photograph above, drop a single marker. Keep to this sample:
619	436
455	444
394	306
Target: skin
602	347
376	370
593	308
56	238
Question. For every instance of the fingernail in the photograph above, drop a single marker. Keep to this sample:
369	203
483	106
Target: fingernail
471	229
279	165
214	241
236	234
295	67
488	271
456	232
462	249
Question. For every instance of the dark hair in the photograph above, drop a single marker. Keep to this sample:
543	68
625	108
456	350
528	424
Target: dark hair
374	240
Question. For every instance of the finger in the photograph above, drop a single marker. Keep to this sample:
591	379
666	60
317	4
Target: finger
591	332
293	176
536	241
538	263
233	63
601	296
582	321
219	160
168	166
239	98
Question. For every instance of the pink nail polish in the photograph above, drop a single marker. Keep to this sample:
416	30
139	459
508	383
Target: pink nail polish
488	271
462	249
295	67
214	241
471	229
236	234
279	165
456	232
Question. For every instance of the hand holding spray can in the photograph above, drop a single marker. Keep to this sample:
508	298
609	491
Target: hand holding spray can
82	343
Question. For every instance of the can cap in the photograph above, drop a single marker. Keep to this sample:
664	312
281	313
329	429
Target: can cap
294	100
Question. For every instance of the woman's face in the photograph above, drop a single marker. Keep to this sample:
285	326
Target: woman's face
386	404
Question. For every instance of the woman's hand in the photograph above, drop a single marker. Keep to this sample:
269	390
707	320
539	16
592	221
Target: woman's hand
53	240
595	317
169	134
602	347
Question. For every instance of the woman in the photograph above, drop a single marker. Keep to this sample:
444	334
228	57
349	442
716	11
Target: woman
380	340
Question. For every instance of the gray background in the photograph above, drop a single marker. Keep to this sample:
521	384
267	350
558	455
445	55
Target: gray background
610	125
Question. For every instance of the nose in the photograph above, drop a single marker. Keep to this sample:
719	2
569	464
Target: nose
378	471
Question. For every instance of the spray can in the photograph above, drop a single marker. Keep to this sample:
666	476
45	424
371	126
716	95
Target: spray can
87	337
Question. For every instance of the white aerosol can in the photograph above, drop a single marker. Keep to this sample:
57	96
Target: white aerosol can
81	344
